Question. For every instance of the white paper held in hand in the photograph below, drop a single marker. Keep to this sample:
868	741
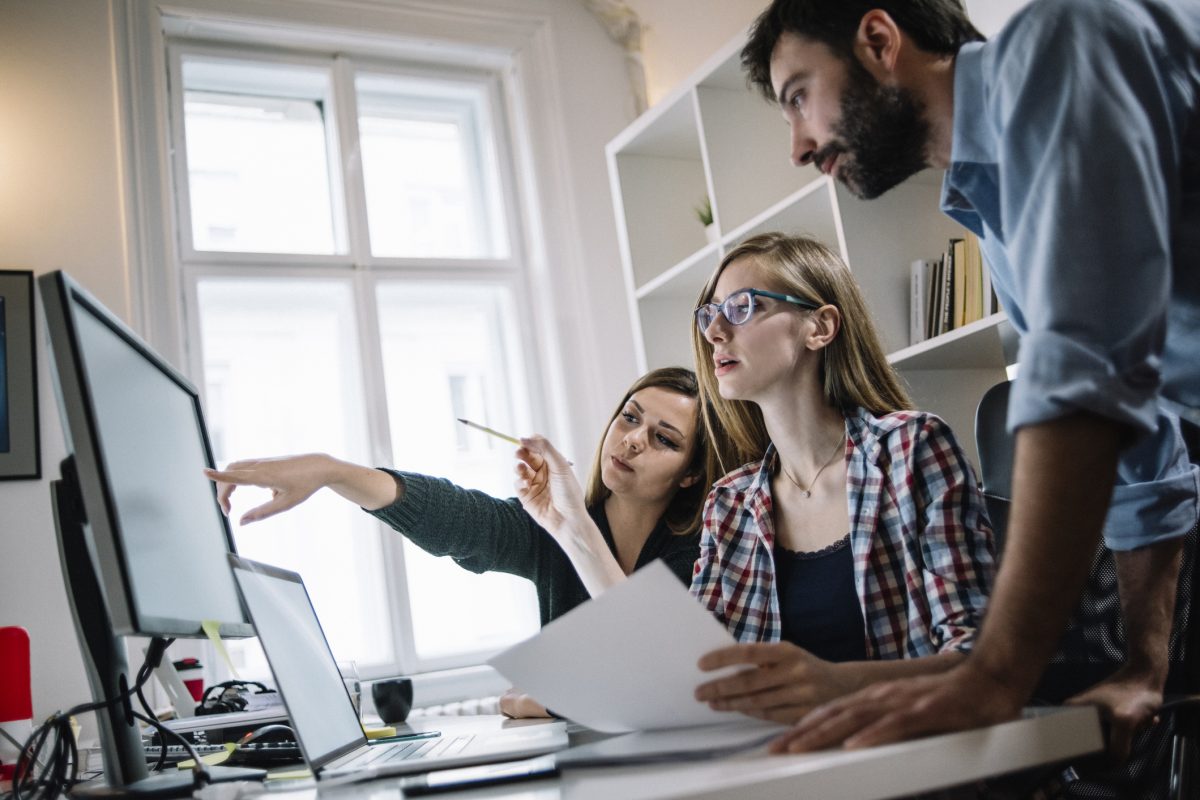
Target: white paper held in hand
626	660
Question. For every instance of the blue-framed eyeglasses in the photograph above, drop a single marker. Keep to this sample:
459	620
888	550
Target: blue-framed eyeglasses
738	307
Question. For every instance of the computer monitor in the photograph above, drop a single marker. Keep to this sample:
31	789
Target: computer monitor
136	430
142	539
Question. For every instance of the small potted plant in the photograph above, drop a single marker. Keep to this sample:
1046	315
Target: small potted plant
704	213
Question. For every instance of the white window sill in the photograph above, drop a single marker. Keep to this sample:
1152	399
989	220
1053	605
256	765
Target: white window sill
447	686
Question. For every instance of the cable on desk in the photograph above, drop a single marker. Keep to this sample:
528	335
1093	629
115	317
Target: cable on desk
53	740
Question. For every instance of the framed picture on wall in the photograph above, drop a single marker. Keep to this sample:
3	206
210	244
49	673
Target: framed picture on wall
20	454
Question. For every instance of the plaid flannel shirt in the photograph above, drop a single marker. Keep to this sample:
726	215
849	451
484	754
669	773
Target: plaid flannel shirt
923	548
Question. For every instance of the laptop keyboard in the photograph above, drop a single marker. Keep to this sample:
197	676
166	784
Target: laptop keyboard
382	754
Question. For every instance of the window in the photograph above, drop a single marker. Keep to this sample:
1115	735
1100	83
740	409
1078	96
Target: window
353	279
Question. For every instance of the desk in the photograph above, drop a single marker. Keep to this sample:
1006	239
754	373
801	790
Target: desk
894	770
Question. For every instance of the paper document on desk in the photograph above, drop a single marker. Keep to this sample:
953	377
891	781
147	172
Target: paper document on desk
625	661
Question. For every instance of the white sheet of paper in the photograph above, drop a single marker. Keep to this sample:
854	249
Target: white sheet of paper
626	660
674	744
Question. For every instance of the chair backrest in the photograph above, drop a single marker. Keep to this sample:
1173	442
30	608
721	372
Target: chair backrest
995	447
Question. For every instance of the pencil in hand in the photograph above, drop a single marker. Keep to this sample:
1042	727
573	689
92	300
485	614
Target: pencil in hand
486	429
497	434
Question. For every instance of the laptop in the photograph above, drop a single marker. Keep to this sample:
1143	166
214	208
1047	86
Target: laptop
326	725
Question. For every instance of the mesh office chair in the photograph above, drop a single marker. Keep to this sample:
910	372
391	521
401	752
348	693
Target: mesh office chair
1094	643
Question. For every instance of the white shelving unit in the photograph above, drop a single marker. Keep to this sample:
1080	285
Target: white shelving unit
716	137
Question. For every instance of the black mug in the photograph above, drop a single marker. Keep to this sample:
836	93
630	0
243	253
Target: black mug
393	699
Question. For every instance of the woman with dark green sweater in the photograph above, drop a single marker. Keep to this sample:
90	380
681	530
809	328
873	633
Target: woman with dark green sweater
646	491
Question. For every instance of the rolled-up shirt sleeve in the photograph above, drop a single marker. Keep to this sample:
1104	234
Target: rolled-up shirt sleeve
1085	113
1086	206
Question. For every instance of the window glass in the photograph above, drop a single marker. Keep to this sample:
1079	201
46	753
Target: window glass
429	169
282	375
448	352
284	335
257	159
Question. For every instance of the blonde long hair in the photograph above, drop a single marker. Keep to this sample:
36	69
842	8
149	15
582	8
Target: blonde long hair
854	371
684	513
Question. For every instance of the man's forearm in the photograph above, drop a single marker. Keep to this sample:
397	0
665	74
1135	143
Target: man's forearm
1063	476
1148	578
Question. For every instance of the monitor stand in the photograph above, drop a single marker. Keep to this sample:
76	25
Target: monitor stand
125	770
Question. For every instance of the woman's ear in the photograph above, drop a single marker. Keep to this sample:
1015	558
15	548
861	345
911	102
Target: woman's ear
827	324
691	479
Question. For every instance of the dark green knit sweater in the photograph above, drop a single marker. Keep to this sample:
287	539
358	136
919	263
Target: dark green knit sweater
485	534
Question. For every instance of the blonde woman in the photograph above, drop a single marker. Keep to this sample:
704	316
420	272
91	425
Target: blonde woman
854	546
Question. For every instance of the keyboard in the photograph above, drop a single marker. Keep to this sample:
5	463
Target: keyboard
265	754
177	752
255	754
382	754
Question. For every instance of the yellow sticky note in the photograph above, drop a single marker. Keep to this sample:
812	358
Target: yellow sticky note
380	733
289	775
212	759
213	631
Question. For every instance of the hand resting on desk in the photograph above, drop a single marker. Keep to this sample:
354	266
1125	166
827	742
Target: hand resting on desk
1128	701
786	683
517	705
789	684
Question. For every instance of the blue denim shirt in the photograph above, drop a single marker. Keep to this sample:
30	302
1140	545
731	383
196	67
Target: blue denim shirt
1076	160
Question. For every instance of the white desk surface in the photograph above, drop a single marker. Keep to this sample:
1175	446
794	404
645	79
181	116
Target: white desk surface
890	771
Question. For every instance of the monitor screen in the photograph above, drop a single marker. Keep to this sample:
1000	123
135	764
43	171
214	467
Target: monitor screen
305	672
136	430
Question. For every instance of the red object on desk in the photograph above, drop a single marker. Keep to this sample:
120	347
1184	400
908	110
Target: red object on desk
16	703
15	697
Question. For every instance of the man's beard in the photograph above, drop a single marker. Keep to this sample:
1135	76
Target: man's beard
882	135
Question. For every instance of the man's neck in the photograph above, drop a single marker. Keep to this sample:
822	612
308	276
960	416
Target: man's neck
930	76
937	91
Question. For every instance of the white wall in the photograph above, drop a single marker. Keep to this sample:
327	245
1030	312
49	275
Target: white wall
59	207
61	185
680	35
989	16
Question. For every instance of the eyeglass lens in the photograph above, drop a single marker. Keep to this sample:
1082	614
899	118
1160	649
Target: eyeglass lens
737	308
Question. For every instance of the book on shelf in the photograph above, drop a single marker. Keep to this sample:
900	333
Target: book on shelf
946	302
949	292
921	275
979	292
935	294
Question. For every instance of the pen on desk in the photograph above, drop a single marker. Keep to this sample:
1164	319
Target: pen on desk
497	434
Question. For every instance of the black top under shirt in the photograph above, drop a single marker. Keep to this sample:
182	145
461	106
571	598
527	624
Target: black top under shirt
818	604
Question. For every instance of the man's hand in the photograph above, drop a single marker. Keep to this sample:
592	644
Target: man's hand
1128	702
958	699
785	684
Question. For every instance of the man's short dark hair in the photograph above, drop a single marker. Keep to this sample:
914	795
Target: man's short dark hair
937	26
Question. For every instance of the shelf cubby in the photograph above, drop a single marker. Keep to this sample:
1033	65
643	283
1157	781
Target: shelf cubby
718	138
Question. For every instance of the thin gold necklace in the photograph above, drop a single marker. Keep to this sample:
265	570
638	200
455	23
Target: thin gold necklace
807	493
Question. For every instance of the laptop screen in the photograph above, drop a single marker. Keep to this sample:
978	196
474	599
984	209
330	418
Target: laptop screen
305	672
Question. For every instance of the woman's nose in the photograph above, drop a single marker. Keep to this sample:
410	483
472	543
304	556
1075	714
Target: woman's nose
715	332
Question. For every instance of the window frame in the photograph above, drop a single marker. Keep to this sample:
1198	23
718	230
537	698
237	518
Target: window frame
364	270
